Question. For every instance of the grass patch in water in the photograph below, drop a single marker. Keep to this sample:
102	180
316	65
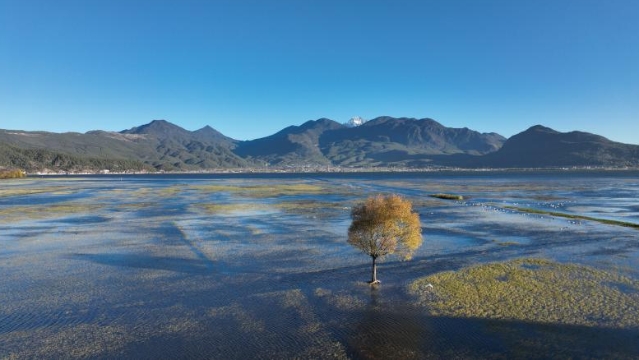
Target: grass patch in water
505	243
447	197
245	320
55	190
312	208
533	290
341	301
170	190
21	213
262	191
232	208
574	217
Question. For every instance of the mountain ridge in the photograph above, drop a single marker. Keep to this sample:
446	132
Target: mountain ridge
380	142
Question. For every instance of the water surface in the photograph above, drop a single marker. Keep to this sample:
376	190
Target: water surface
173	267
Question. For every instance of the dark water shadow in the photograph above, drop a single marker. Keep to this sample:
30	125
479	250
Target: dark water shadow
377	333
82	220
141	261
385	328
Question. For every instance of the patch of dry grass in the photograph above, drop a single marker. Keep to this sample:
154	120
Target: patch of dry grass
264	191
313	208
232	208
22	213
20	191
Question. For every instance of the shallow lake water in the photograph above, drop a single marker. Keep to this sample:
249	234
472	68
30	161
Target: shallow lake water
257	265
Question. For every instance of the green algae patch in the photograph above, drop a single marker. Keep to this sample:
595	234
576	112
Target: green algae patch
447	197
533	290
263	191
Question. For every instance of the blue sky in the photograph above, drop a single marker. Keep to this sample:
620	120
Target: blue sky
251	68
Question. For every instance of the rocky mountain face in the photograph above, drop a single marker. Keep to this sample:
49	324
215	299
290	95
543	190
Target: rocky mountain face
380	142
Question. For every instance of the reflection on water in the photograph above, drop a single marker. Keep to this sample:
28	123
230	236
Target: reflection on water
159	269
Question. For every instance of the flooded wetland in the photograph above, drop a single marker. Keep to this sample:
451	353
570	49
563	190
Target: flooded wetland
256	266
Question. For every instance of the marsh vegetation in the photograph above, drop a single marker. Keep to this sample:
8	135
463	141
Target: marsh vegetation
533	290
448	197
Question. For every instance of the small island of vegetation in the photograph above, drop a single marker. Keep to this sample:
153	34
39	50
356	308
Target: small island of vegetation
447	197
534	291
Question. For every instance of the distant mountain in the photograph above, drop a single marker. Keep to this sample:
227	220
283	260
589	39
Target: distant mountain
163	130
381	142
175	148
294	145
541	147
208	134
158	145
403	141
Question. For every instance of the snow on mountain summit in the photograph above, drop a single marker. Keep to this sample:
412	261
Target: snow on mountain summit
355	121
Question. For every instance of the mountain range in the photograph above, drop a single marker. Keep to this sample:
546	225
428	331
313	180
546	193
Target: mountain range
316	144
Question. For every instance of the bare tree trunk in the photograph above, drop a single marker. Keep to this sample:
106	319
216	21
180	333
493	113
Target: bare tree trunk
374	271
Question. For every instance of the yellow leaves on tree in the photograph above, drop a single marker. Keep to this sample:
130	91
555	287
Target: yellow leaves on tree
384	225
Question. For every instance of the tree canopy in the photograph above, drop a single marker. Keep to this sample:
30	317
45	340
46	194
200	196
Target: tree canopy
384	225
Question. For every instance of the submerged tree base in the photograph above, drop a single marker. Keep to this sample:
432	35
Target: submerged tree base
533	290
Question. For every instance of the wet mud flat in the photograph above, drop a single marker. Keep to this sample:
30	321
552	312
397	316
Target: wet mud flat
258	266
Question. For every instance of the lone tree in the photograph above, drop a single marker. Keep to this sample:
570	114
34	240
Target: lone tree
383	225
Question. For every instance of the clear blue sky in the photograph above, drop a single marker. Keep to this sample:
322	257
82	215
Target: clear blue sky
251	68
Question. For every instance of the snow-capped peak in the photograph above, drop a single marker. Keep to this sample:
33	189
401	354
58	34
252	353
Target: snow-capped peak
355	121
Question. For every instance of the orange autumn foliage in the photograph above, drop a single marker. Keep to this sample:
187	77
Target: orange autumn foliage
384	225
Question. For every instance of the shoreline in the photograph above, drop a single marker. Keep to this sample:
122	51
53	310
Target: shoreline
336	170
